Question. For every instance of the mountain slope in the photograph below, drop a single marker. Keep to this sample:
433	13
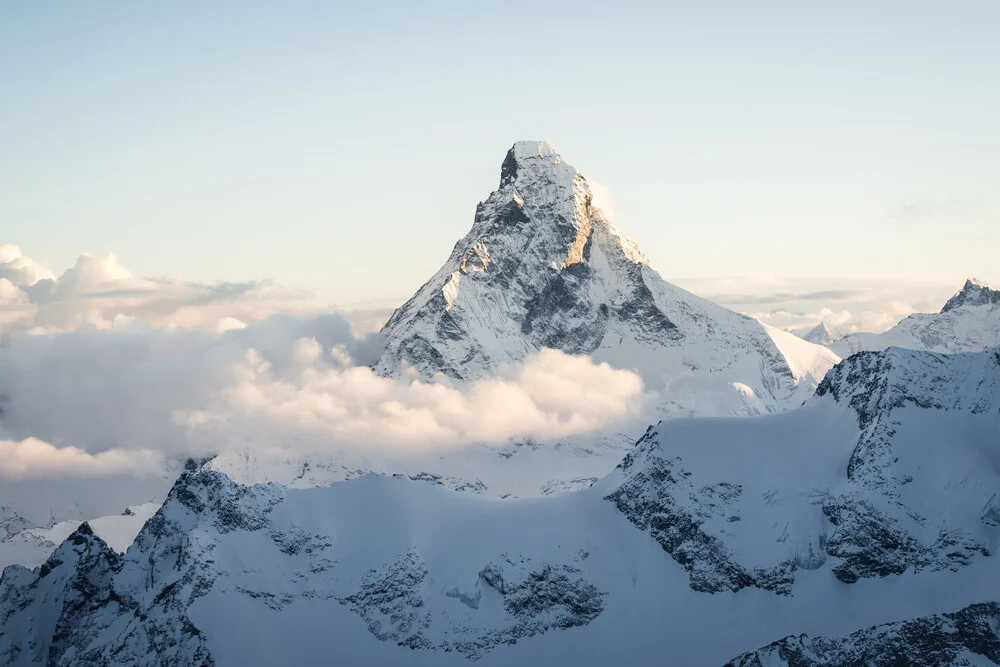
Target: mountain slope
968	322
874	503
542	267
856	481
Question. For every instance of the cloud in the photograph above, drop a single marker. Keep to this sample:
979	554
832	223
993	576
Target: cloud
603	198
20	270
299	384
31	458
98	289
931	209
830	295
324	401
845	304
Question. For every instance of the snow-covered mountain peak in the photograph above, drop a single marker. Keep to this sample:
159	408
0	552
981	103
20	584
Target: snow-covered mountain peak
556	201
81	544
975	292
542	267
526	156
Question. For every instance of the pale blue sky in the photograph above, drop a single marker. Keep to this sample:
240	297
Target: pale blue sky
344	147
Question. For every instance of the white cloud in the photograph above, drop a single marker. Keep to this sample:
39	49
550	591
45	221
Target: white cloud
97	290
32	458
301	384
318	399
603	198
846	304
18	269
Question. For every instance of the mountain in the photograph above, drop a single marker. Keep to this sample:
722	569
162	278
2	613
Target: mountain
968	322
819	334
975	292
866	515
543	267
27	544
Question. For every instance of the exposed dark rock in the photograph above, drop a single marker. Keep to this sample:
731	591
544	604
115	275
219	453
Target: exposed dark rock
931	641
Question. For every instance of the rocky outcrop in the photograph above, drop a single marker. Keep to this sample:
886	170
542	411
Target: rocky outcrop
968	637
536	598
658	496
973	293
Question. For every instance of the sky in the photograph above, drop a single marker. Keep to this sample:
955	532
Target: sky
340	148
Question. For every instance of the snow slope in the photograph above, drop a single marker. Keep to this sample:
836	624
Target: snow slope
968	322
874	503
542	267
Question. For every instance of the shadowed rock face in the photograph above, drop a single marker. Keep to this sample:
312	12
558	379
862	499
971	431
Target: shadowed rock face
966	637
73	584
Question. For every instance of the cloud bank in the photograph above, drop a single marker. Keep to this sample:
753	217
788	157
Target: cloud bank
847	305
98	291
129	398
34	458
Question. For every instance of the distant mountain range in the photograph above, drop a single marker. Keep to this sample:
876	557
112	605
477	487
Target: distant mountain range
968	322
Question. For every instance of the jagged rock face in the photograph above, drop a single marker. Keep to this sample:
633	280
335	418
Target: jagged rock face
47	610
968	322
967	637
973	293
850	487
542	267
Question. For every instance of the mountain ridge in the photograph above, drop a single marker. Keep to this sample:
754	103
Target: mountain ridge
968	322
